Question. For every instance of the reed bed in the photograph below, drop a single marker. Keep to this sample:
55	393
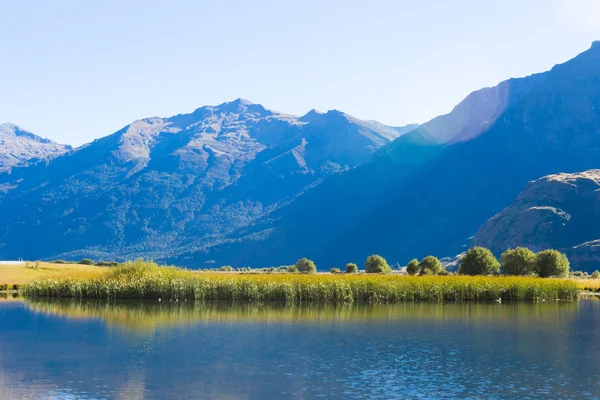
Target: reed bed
144	280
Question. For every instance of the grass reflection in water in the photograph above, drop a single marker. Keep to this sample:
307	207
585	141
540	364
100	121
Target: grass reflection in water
149	316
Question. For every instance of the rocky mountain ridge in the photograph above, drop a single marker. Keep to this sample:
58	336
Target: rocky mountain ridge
18	146
160	185
560	211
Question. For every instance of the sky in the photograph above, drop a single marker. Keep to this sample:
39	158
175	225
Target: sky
74	71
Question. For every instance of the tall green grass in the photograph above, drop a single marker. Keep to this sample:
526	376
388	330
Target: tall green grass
144	280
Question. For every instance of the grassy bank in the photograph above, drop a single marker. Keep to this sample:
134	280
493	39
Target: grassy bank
142	280
589	285
15	275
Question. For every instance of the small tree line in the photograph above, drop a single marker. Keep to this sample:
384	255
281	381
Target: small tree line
477	261
375	264
86	261
519	261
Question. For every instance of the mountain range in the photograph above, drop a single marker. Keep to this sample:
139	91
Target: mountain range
162	186
242	185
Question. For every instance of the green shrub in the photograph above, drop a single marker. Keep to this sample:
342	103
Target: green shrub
351	268
292	269
430	265
306	266
133	269
376	264
479	261
551	263
87	261
519	261
596	274
579	274
443	272
413	267
335	271
107	263
58	262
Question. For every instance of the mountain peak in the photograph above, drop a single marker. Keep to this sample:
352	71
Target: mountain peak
19	146
242	102
239	106
238	103
316	115
8	129
311	115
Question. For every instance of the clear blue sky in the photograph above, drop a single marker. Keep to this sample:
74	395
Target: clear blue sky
77	70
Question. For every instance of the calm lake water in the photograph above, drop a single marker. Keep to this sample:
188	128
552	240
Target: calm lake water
151	350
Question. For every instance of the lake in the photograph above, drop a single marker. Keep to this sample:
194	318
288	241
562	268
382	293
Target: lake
160	350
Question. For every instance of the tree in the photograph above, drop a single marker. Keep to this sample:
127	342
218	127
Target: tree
292	269
430	265
335	270
596	274
519	261
87	261
376	264
306	265
479	261
551	263
351	268
578	274
413	267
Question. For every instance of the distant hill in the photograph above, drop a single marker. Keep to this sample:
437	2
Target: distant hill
161	187
430	190
18	146
559	211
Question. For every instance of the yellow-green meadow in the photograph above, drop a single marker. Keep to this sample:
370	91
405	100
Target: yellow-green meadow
146	280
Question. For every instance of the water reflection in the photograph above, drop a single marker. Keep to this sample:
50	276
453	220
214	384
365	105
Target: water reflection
129	350
149	316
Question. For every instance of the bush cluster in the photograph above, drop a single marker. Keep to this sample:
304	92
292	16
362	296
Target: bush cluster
351	268
376	264
479	261
107	264
519	262
429	265
306	266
